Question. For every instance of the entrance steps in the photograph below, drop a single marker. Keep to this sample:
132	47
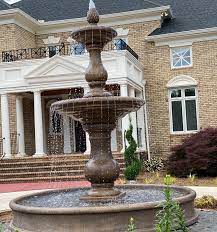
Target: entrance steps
49	168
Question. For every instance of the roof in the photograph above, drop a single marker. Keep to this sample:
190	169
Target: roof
4	5
188	14
50	10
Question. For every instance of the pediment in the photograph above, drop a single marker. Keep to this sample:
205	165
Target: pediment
55	66
181	81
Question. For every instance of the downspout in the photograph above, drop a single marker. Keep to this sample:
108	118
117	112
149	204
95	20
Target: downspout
146	123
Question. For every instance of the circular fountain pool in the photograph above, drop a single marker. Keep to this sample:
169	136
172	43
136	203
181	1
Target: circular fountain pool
54	210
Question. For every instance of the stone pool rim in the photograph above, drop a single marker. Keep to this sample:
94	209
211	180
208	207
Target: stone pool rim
189	195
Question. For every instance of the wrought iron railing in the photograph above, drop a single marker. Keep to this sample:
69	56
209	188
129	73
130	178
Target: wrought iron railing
62	49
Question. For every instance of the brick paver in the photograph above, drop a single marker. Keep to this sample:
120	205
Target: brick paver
18	187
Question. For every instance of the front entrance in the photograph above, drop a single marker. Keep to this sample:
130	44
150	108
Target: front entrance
64	135
80	138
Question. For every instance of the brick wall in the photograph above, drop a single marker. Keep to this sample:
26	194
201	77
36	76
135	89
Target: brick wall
29	128
158	72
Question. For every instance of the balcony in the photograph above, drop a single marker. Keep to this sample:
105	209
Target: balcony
62	50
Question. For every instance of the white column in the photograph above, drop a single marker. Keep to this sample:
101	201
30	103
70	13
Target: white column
20	126
5	127
87	152
67	135
125	120
133	115
114	146
141	123
39	139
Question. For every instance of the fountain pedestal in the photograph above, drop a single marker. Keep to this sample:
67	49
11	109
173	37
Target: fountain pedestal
101	170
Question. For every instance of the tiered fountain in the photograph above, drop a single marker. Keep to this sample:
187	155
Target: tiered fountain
102	207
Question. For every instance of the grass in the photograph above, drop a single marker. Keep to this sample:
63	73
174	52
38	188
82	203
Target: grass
191	180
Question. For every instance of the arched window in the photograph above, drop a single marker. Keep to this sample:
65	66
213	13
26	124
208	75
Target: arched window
183	104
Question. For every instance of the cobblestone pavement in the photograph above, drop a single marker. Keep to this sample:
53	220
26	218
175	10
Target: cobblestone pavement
207	223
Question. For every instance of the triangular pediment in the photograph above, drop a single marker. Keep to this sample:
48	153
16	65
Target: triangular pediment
56	66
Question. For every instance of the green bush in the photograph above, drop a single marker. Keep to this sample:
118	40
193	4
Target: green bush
133	170
154	164
171	217
131	225
133	164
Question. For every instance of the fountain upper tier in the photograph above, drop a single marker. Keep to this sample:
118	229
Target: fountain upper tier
98	110
93	35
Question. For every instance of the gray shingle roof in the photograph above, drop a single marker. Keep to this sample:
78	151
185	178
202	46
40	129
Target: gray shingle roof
4	5
50	10
188	14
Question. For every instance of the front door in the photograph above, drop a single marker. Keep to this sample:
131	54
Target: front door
80	138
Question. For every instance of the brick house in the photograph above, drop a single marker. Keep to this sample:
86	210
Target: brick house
165	52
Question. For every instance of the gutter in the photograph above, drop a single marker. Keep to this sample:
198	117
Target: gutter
191	35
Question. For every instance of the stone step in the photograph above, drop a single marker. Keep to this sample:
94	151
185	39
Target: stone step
60	168
46	168
41	174
44	179
58	162
29	173
52	158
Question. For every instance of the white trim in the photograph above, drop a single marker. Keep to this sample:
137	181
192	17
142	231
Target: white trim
181	81
183	99
171	57
183	38
39	27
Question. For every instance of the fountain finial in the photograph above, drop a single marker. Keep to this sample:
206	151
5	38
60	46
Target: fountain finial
92	14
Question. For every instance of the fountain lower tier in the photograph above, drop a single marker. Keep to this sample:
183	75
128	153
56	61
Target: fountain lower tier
61	210
98	116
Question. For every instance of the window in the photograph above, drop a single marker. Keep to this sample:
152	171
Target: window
77	49
183	110
120	44
181	57
52	51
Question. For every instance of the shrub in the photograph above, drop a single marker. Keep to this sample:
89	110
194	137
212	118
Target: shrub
154	164
206	202
131	225
133	164
171	217
197	155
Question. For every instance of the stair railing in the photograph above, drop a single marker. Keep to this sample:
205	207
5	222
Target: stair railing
1	148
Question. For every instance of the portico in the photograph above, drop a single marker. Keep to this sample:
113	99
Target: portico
47	80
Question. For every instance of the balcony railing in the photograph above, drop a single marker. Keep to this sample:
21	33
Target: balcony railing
62	49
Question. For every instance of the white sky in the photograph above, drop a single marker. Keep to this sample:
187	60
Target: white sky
11	1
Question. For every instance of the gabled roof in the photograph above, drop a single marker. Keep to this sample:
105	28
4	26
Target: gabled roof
50	10
4	5
187	14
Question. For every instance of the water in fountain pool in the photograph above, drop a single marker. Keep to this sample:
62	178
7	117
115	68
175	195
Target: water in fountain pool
71	198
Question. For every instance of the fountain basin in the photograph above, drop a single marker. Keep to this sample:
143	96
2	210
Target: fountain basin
61	210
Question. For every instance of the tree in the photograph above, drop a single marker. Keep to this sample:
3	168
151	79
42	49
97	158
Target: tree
133	164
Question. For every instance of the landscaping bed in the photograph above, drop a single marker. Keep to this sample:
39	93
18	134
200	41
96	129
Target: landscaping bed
158	178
